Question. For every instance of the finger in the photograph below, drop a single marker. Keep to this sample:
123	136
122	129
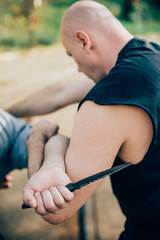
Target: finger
48	201
9	180
4	184
8	184
53	129
58	198
67	195
40	209
8	177
49	129
28	198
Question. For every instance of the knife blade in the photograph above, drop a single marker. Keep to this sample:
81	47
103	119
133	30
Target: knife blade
78	185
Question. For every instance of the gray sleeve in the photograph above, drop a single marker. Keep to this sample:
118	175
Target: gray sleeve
13	136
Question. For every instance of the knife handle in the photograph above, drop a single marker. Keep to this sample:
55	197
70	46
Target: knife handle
25	206
70	187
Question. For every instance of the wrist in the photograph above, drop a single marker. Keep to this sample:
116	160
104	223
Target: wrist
50	163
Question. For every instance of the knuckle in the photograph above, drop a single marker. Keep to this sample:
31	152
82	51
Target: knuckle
69	197
49	207
60	203
41	212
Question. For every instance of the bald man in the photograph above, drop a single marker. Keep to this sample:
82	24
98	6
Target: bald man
118	121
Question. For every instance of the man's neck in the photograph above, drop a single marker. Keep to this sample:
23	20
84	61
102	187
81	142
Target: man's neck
114	49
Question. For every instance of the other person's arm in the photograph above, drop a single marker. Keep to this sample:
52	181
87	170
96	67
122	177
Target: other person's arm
42	131
52	98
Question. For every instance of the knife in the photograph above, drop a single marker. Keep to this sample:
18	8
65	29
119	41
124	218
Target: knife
78	185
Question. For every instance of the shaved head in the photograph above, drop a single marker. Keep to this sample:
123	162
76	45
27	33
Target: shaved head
93	37
84	15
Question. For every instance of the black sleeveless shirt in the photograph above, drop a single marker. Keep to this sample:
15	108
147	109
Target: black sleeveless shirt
135	81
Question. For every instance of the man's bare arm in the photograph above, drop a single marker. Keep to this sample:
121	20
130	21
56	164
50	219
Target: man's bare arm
52	98
93	147
99	134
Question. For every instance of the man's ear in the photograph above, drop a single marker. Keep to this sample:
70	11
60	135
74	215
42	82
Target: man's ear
83	38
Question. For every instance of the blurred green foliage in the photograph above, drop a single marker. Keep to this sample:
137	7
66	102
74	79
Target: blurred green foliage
22	25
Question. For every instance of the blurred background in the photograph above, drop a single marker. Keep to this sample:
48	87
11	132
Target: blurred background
28	23
31	58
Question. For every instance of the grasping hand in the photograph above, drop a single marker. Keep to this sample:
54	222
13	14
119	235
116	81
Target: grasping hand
46	191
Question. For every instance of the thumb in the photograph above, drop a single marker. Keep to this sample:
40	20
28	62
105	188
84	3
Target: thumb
28	197
51	129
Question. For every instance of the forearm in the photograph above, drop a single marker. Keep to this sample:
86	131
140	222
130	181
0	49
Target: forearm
52	98
41	133
55	151
43	102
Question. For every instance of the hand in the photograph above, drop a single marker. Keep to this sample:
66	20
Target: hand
46	191
41	132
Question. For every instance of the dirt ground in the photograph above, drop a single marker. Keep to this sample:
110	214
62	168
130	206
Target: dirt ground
23	73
